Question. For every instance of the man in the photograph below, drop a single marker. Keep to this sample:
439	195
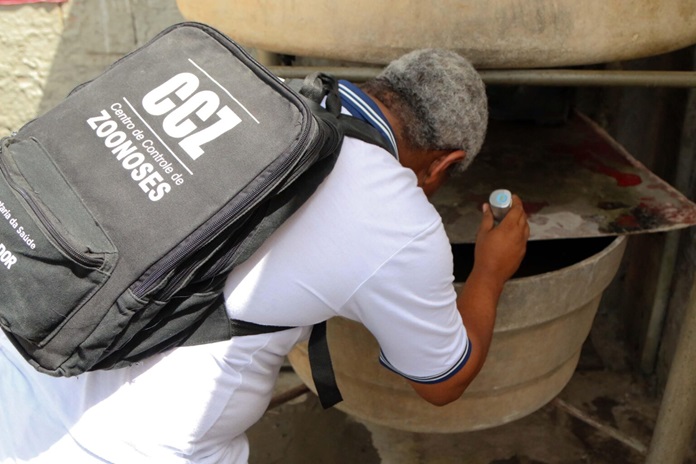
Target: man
367	246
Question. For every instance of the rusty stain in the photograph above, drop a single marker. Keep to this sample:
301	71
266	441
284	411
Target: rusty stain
533	207
574	179
623	179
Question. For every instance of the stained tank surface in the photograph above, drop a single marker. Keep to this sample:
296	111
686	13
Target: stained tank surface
574	179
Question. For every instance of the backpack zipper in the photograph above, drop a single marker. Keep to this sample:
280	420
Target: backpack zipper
171	261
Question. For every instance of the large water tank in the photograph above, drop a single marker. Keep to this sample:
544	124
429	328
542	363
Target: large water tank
491	33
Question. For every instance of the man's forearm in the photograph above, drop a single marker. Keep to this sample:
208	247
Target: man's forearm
498	254
477	303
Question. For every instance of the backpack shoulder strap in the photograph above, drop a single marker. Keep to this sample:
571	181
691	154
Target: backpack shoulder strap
319	86
361	130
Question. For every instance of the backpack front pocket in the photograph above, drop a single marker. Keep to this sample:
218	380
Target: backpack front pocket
53	253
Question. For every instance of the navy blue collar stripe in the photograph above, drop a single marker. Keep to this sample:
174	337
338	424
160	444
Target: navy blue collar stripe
360	105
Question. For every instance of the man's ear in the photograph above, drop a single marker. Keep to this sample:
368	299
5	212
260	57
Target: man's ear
437	170
446	159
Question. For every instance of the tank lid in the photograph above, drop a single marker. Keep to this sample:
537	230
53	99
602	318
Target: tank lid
574	179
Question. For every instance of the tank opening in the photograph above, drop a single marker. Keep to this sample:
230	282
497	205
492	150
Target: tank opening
542	256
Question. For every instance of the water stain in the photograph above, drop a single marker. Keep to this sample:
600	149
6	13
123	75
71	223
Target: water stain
602	448
604	409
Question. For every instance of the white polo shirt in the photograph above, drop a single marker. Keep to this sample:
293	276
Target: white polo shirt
367	246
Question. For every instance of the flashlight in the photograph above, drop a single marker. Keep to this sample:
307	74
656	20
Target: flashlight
500	201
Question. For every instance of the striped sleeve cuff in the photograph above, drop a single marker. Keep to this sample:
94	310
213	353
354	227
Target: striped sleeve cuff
433	378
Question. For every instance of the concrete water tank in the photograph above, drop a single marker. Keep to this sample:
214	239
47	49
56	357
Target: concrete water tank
543	320
491	33
580	189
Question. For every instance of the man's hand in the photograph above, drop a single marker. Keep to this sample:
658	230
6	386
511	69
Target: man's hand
500	249
499	252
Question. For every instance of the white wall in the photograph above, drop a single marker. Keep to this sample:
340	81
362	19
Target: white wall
47	49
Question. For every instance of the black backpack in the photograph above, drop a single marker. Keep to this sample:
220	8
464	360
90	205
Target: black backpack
123	209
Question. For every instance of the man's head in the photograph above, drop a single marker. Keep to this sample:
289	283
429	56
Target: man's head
439	103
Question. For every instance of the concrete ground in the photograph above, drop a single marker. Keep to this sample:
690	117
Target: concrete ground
605	415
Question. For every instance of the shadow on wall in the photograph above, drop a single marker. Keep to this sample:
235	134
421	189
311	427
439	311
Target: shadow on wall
98	32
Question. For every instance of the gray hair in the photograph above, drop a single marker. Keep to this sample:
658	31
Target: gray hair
439	98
